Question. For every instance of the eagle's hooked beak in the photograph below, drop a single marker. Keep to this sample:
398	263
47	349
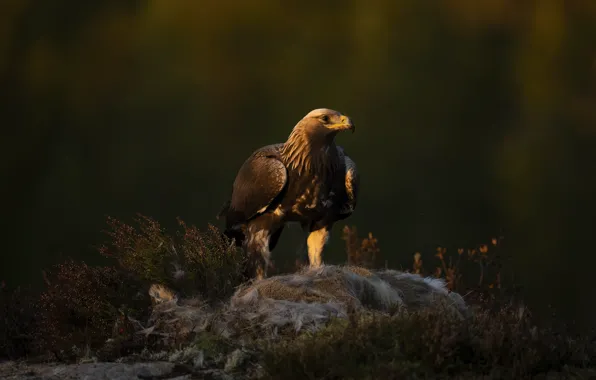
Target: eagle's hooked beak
344	125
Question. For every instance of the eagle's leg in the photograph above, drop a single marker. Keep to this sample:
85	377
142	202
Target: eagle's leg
261	239
257	265
257	246
316	242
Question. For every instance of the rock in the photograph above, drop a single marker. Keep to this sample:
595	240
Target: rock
189	355
199	360
112	371
91	371
235	360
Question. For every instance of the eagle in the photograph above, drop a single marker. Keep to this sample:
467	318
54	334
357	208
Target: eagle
307	180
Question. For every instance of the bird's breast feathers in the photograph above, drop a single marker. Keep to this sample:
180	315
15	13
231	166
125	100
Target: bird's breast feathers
315	198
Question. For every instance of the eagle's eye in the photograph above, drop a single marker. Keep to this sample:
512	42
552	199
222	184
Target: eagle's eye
325	119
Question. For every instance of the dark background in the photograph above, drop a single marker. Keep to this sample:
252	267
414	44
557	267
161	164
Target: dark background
475	119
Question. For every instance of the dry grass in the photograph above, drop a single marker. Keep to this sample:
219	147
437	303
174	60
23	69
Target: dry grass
360	252
474	272
83	306
427	344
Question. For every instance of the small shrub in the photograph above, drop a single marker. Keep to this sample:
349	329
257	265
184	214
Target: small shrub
190	261
211	262
84	306
144	251
361	252
476	273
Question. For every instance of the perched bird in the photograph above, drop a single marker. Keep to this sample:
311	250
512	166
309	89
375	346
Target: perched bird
308	179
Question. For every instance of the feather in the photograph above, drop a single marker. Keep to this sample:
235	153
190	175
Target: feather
260	180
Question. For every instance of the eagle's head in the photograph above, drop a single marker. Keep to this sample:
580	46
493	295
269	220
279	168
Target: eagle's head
321	125
307	146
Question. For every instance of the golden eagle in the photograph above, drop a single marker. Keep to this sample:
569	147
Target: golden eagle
308	179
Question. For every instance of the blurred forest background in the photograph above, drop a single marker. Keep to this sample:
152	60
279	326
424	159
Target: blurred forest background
475	119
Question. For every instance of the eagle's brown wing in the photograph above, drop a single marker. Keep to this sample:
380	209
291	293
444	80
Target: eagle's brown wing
260	180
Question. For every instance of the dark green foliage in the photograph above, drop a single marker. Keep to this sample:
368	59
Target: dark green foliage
190	262
213	264
145	252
